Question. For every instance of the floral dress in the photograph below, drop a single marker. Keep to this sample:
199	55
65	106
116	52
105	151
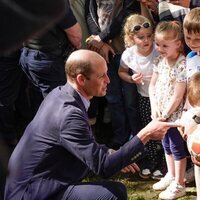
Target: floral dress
165	84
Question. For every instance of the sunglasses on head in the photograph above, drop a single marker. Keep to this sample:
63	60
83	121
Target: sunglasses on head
137	27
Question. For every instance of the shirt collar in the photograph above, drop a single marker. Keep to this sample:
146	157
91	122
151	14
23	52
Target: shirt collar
85	101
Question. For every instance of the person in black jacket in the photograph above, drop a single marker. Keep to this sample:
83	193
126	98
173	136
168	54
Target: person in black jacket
105	21
43	57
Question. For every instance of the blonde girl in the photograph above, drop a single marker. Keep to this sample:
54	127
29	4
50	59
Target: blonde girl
167	90
138	58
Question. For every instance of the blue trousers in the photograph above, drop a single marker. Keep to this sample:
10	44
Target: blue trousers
106	190
45	72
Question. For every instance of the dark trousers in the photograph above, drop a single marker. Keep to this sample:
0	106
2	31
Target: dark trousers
45	72
10	81
96	191
122	102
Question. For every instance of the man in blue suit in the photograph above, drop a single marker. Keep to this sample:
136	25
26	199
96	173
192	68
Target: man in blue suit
58	149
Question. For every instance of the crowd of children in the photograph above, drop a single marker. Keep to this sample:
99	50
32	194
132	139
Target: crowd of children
162	72
167	83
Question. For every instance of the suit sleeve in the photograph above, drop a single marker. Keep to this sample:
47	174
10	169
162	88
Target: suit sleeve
77	138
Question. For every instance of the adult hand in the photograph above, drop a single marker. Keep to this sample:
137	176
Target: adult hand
106	51
94	43
133	168
150	4
184	3
155	130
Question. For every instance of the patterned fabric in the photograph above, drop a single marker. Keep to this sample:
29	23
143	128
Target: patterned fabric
168	11
164	87
106	9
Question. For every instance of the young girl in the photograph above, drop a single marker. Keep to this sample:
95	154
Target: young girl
138	57
167	90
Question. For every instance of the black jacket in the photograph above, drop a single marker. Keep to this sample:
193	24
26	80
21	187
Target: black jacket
115	28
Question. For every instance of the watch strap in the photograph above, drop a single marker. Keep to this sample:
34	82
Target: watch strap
196	119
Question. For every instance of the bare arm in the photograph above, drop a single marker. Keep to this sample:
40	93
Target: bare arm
124	75
155	130
74	35
154	110
179	91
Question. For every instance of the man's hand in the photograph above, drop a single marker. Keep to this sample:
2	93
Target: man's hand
155	130
133	168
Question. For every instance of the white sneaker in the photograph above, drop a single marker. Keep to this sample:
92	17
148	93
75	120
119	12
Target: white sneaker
163	183
174	191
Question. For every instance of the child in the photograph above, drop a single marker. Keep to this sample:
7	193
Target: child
167	90
191	119
191	27
138	57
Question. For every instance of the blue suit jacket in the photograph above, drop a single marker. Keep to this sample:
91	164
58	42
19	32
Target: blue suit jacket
58	149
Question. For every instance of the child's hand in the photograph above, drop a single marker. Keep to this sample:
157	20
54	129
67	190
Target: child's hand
155	113
196	160
138	78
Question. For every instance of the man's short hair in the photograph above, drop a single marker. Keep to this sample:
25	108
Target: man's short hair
79	66
194	89
191	21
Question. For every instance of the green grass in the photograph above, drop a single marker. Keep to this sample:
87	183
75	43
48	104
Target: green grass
140	189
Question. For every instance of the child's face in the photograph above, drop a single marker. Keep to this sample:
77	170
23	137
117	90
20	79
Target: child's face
193	41
143	39
167	48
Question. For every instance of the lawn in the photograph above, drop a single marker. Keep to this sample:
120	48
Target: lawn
140	189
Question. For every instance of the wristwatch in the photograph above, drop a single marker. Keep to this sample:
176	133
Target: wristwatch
196	119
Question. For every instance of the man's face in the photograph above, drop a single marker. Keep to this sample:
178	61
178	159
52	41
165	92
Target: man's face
193	41
96	84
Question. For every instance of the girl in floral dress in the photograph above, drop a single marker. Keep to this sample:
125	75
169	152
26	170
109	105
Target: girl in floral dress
167	91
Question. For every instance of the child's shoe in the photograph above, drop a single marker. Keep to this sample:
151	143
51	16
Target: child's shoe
163	183
145	173
174	191
157	175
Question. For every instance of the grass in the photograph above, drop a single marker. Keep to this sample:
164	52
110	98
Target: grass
141	189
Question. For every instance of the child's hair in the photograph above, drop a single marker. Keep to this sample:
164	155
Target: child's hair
171	30
191	21
132	21
193	89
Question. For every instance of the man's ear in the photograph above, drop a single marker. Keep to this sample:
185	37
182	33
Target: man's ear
80	79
